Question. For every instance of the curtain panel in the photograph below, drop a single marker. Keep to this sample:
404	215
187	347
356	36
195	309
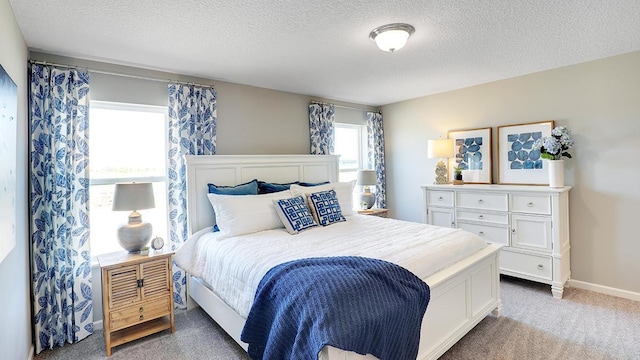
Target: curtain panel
59	196
191	131
322	119
375	135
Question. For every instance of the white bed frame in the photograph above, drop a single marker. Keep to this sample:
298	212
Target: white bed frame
461	295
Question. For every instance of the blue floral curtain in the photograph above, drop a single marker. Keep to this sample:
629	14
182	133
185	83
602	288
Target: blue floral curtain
192	131
322	121
59	195
375	136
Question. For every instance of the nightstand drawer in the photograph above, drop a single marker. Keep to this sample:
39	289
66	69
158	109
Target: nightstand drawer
526	264
532	204
440	198
493	234
483	201
145	311
464	215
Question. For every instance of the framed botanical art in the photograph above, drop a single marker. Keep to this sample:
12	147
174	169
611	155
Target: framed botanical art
472	153
518	162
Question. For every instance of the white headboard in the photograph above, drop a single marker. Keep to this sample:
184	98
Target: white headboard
229	170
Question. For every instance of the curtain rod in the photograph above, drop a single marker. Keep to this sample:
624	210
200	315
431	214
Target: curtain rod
340	106
104	72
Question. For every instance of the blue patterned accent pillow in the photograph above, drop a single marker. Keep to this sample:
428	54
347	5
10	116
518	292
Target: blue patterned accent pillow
248	188
294	214
325	207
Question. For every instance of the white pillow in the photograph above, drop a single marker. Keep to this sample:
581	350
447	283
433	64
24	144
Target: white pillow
344	193
245	214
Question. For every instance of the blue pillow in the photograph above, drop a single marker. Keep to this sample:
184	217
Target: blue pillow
313	184
294	214
268	188
248	188
325	207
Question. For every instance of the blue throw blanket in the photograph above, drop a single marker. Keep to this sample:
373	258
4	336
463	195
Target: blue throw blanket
352	303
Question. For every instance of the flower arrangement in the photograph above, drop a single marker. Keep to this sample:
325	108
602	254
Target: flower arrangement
555	146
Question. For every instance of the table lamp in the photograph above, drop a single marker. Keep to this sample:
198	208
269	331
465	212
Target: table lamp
367	178
134	235
441	148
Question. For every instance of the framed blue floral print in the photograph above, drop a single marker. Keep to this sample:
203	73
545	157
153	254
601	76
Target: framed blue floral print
519	162
472	154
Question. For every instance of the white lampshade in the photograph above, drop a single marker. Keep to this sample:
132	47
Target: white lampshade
391	37
441	148
133	196
366	177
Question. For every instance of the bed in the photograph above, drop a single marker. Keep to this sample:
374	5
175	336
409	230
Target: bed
462	294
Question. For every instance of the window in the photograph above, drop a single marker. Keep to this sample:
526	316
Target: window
351	145
127	144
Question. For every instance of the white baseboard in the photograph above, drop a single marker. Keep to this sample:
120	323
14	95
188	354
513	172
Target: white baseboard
32	350
625	294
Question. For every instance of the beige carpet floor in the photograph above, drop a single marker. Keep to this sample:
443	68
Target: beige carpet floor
533	325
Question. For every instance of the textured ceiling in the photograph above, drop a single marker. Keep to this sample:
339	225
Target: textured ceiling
321	48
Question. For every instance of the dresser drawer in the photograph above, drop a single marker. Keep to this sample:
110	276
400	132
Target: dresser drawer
464	215
494	234
132	315
483	201
440	198
532	204
526	264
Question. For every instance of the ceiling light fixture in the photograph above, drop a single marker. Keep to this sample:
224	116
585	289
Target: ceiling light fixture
391	37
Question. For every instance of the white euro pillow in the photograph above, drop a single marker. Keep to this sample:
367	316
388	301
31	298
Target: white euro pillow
246	214
344	193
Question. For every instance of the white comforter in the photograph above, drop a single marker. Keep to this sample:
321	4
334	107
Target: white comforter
233	267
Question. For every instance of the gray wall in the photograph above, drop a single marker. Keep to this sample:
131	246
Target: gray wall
15	311
251	120
599	101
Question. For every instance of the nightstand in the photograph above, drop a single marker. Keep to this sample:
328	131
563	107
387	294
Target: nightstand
137	296
374	212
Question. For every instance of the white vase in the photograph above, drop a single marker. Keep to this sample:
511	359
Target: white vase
556	173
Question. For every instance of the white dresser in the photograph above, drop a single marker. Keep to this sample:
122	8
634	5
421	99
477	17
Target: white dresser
532	222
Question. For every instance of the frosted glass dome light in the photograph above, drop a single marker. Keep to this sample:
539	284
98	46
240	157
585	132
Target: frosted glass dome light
391	37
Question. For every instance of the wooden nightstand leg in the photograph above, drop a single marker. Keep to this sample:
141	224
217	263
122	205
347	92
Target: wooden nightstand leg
106	328
107	342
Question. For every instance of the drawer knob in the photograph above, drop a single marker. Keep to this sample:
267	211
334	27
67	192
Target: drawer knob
480	216
480	201
481	233
141	309
141	317
440	198
540	266
513	230
530	204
